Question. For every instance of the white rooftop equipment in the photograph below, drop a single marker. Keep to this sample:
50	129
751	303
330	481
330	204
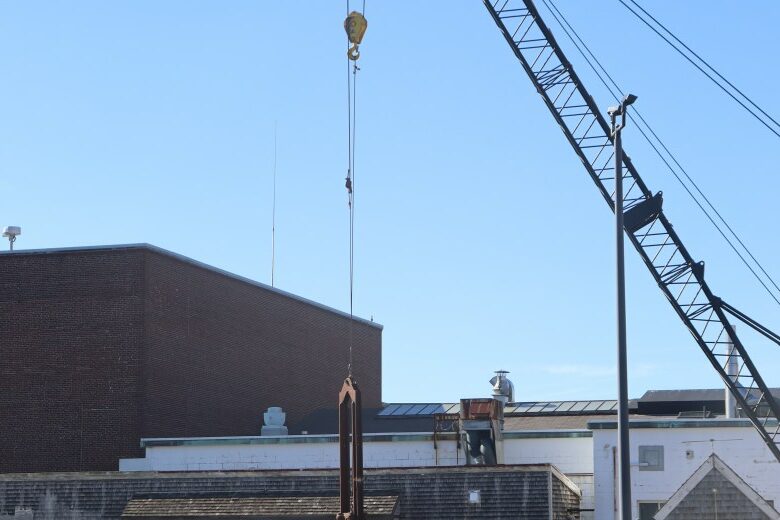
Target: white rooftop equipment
11	232
503	389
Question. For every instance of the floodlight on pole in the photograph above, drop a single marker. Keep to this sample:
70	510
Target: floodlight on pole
620	110
11	232
624	457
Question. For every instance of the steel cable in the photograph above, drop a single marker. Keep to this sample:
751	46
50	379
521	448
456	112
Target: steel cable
724	89
352	70
563	22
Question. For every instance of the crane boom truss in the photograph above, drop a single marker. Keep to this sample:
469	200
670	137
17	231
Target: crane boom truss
680	277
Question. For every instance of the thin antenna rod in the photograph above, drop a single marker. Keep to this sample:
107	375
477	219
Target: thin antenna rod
273	217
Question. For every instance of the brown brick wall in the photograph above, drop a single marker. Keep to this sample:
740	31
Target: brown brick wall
220	351
70	327
103	347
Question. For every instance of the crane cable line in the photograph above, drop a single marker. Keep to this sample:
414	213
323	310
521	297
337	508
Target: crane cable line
673	158
563	22
750	101
775	130
355	26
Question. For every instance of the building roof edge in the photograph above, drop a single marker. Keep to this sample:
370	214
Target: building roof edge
191	261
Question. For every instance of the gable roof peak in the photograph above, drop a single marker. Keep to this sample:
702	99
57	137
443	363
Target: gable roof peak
715	463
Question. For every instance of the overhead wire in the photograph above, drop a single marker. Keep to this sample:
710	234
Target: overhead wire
564	23
705	63
761	268
569	31
750	101
775	131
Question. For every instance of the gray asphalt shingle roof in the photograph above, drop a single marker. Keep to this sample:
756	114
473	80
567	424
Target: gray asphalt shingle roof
254	507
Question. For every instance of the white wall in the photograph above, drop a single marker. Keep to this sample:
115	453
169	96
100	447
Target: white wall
568	454
293	452
739	447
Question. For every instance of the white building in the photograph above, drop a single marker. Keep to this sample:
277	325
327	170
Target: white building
665	453
577	437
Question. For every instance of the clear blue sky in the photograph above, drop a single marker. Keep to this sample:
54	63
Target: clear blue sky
481	243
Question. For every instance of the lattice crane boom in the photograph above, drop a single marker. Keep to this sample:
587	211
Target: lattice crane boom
679	276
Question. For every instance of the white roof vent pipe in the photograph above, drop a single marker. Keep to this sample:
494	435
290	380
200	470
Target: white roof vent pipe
732	370
503	389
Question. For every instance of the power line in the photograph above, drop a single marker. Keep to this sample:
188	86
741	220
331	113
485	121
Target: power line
669	153
709	76
737	90
563	22
705	63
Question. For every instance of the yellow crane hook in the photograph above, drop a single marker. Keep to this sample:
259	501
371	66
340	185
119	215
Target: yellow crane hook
355	25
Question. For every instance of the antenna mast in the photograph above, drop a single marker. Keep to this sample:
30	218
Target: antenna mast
273	216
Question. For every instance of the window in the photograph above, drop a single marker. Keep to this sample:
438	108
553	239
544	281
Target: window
651	458
647	510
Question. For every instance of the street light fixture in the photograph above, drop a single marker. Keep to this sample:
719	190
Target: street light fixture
621	109
11	232
624	453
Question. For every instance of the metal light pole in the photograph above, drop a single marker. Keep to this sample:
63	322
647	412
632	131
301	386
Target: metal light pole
624	453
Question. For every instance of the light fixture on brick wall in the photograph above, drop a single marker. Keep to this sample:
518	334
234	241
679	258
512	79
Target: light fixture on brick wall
11	232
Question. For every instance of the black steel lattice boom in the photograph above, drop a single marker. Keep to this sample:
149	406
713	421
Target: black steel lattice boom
680	277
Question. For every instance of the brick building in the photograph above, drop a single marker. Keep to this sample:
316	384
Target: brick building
103	346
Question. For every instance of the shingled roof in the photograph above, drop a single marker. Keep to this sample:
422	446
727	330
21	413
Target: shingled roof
537	491
257	508
715	489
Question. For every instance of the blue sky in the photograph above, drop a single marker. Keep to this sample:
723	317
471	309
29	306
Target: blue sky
481	243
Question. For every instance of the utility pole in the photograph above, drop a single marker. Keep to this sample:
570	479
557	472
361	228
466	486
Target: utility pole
624	453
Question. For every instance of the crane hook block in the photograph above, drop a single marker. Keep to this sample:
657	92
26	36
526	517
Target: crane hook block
355	25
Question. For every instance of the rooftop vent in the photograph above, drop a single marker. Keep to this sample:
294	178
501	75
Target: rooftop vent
503	389
273	422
